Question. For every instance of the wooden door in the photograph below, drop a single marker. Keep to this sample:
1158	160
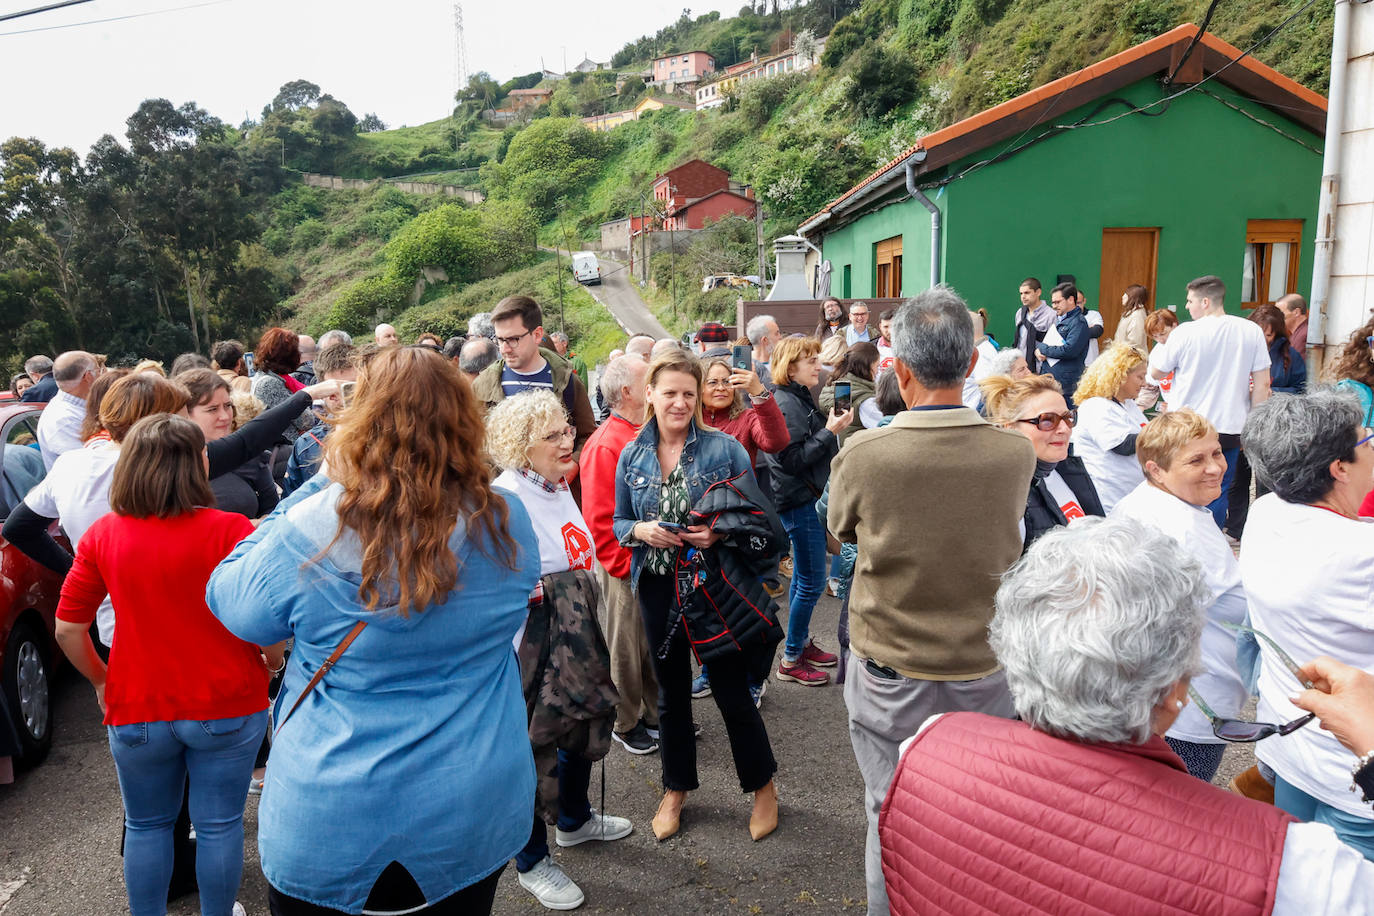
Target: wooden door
1128	256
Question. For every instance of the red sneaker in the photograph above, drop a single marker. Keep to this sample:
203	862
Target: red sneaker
817	657
803	674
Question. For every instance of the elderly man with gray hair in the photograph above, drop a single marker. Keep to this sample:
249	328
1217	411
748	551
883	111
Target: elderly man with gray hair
39	368
933	501
476	355
763	334
59	429
636	723
1081	806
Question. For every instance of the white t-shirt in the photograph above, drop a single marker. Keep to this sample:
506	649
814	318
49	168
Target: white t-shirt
1197	533
77	491
1309	574
1212	359
1103	424
886	357
987	350
1094	319
59	427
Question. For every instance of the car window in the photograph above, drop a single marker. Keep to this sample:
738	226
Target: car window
21	466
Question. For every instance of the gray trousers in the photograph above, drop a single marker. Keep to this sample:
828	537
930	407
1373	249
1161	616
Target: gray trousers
882	714
631	670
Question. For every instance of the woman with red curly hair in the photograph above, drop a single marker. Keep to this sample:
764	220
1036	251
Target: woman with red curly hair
277	356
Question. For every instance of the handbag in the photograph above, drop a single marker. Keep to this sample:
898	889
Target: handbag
323	670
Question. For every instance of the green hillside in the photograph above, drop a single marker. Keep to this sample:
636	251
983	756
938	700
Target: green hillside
189	230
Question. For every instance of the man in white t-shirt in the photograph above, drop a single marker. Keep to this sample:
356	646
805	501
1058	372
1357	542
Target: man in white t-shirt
1221	369
1096	327
59	428
886	356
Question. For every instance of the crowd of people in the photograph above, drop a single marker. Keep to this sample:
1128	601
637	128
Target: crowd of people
410	594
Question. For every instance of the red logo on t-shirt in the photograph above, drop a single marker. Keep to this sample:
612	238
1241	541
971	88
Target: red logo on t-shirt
1072	510
578	546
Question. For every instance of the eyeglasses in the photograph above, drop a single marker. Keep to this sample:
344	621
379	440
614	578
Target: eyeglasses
1049	421
566	432
512	341
1368	434
1369	341
1241	730
718	383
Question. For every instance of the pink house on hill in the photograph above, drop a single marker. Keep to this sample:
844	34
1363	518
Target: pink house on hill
686	67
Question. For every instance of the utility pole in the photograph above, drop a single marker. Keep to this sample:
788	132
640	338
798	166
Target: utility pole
758	240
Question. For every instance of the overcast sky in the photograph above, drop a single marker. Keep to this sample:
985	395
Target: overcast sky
68	86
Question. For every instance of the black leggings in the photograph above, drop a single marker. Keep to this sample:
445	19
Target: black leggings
754	763
396	891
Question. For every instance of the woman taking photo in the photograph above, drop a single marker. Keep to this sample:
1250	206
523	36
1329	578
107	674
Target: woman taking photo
859	370
1130	328
661	475
1061	489
181	695
565	665
1109	420
402	781
1354	369
1182	459
1308	566
736	402
797	475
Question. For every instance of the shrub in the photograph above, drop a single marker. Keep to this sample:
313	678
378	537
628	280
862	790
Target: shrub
309	234
883	80
360	306
276	240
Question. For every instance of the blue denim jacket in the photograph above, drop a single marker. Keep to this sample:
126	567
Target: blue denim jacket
414	746
708	457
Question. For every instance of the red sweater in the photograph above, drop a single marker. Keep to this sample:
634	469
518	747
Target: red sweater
759	429
600	455
171	658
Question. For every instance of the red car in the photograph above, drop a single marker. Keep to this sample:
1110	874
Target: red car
28	599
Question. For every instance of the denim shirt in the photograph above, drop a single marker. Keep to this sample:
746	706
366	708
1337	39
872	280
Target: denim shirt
414	746
708	457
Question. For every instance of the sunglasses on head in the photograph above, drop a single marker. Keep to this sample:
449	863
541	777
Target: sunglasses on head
1242	730
1047	422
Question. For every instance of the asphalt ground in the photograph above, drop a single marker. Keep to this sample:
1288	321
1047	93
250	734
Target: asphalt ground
60	823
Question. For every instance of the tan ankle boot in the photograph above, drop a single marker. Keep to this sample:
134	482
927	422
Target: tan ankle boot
1252	785
764	818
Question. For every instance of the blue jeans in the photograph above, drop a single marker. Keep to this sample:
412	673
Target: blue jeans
1355	832
808	575
153	760
1218	506
574	809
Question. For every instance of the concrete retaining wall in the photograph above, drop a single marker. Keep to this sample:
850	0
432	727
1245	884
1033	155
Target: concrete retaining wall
334	182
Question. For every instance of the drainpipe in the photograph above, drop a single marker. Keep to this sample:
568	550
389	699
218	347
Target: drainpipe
1330	188
916	159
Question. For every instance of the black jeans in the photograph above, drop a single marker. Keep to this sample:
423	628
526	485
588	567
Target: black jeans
393	889
1238	503
754	763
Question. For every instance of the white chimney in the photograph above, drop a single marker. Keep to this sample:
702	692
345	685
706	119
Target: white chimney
790	282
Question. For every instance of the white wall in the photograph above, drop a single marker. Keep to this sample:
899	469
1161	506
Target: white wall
1352	269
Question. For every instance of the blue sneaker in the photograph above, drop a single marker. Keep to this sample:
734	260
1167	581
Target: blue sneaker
701	687
757	691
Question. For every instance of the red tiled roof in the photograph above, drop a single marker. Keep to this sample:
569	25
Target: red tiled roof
1260	82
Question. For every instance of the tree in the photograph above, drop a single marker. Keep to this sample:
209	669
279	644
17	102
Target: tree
295	95
371	124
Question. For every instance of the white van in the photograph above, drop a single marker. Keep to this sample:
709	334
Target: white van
585	267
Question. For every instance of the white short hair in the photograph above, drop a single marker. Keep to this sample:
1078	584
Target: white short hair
758	327
1094	626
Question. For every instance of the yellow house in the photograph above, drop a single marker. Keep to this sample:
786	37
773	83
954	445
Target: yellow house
614	119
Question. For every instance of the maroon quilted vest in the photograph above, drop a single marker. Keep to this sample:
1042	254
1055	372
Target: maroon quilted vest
988	816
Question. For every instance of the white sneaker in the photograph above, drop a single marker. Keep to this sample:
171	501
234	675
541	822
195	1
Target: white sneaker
238	910
598	827
551	887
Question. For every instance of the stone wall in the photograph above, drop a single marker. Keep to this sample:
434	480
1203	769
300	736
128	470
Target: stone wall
334	182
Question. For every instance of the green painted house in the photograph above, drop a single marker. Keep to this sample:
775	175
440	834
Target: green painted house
1176	158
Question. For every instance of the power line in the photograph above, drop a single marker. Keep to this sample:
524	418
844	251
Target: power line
42	9
72	25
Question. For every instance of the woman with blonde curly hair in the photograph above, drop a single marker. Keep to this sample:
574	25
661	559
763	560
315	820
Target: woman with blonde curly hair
1061	489
1109	420
565	664
400	777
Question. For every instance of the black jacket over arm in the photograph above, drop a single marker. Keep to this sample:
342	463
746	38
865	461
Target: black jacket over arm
1042	511
799	472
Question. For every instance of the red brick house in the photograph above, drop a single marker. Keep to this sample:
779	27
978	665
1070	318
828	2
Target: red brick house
695	214
692	179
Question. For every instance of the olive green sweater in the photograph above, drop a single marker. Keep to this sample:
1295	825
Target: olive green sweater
933	501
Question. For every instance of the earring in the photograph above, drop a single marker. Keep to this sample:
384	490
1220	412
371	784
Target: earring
1178	703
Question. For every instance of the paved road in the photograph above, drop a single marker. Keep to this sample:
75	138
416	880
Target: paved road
59	825
620	295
